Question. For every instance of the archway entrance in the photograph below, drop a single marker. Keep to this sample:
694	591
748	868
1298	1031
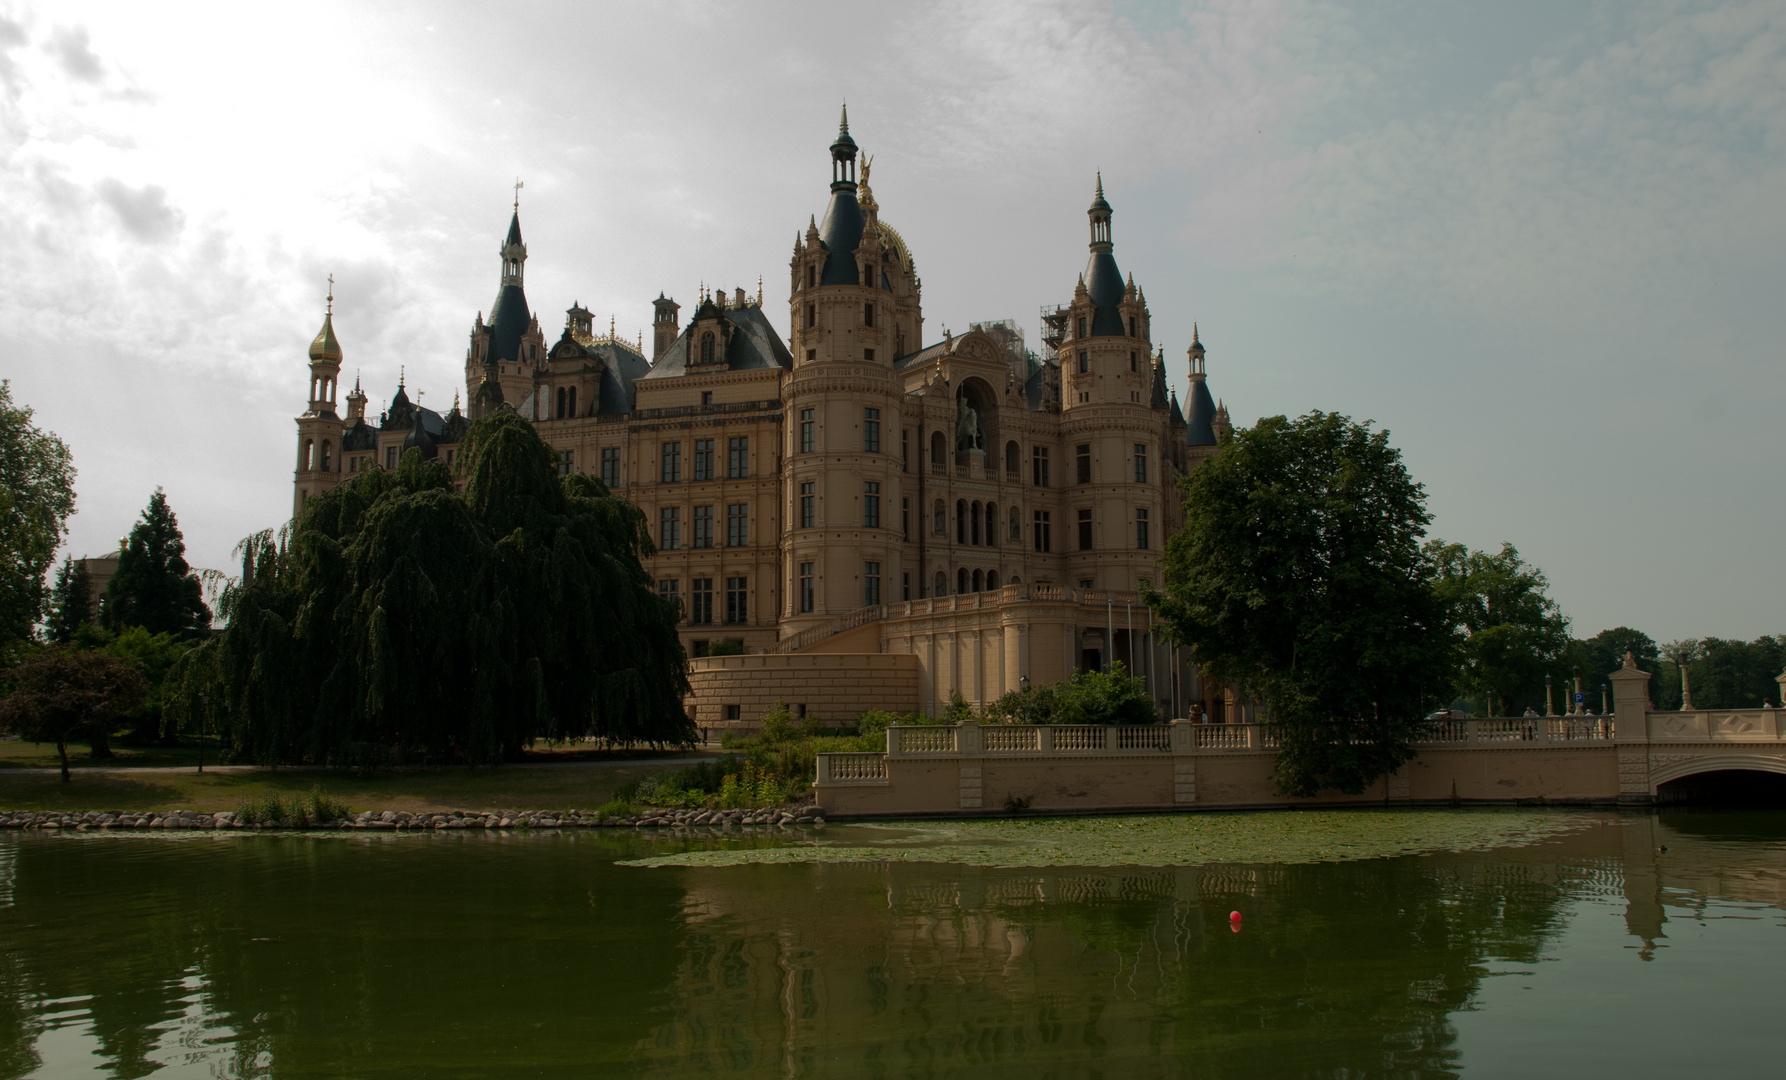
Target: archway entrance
1724	787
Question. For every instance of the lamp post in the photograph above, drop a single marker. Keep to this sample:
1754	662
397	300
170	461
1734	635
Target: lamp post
203	712
1549	708
1579	701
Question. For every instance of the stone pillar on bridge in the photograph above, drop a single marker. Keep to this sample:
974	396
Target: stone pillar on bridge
1630	706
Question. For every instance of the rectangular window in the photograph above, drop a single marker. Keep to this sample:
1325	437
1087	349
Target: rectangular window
905	586
1085	463
1132	360
738	525
905	450
1084	362
808	505
1044	538
611	466
668	591
566	462
738	457
871	584
703	459
390	457
669	528
1141	529
806	588
706	399
700	601
1038	459
737	600
703	527
812	318
868	314
806	423
868	355
671	462
871	430
1085	530
811	355
1016	525
353	465
905	518
1140	463
941	524
871	505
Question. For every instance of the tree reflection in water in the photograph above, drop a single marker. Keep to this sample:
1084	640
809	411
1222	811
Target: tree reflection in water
473	955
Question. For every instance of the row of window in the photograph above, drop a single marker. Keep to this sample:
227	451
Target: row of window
670	460
871	443
805	591
1043	530
669	527
699	611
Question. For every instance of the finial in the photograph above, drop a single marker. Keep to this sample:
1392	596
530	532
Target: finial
611	328
1193	332
1100	183
843	125
331	299
759	290
455	400
518	186
400	376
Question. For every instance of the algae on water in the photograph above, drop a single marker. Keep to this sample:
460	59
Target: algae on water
1167	840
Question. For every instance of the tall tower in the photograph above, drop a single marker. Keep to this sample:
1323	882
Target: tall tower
506	350
665	325
319	429
853	299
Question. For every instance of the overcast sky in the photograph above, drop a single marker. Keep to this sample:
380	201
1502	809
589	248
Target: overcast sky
1542	243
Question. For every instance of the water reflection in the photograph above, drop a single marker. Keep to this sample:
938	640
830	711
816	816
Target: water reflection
471	955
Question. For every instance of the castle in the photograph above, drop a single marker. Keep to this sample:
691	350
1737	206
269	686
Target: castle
964	515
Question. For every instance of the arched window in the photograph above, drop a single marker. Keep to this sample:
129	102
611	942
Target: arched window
1013	461
942	585
992	581
941	525
991	524
707	348
1016	579
307	456
974	526
961	521
560	413
961	580
570	402
936	449
326	447
979	581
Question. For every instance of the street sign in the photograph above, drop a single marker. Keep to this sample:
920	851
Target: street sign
1580	697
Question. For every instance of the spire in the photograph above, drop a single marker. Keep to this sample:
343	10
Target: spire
325	349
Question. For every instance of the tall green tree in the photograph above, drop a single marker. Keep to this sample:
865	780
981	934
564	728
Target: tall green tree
1724	673
400	615
36	498
65	694
1299	575
1512	630
153	587
71	601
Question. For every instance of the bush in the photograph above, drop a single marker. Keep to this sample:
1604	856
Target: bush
1087	697
726	647
317	807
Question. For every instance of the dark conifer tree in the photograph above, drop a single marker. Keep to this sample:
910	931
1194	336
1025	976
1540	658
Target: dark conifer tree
71	601
153	587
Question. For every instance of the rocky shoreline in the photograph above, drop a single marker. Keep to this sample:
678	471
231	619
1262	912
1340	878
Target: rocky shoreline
394	820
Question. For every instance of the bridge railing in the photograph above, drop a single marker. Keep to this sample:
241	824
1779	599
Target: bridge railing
1518	729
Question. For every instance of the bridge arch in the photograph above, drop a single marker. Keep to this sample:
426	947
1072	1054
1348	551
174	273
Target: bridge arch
1729	779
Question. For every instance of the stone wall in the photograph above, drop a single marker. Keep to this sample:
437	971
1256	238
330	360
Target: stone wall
835	687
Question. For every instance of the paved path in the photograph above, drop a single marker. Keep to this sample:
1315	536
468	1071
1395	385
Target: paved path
138	769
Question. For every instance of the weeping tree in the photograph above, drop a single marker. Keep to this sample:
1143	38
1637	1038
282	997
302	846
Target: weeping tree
396	614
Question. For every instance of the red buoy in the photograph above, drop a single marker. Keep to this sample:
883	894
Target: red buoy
1233	916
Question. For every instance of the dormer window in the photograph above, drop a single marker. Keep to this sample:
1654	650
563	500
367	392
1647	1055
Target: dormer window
707	348
1081	332
812	274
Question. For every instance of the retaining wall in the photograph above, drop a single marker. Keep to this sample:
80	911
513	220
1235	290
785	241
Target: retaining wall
835	687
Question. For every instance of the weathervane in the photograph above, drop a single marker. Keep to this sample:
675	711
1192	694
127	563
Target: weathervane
331	310
518	186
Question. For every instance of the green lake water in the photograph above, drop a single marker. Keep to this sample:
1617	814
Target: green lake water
1371	944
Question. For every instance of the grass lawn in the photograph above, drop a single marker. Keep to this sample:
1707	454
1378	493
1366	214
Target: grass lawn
37	785
19	754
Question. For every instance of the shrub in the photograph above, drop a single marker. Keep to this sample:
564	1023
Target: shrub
1086	697
726	647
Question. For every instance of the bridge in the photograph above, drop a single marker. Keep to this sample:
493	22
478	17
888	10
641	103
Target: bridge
1636	756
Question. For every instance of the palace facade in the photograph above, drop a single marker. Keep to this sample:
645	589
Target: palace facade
849	489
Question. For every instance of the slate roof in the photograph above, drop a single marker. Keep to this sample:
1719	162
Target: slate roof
1104	282
841	234
753	345
1199	426
509	318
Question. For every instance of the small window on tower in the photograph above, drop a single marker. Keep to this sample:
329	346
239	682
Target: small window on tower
868	314
1084	362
